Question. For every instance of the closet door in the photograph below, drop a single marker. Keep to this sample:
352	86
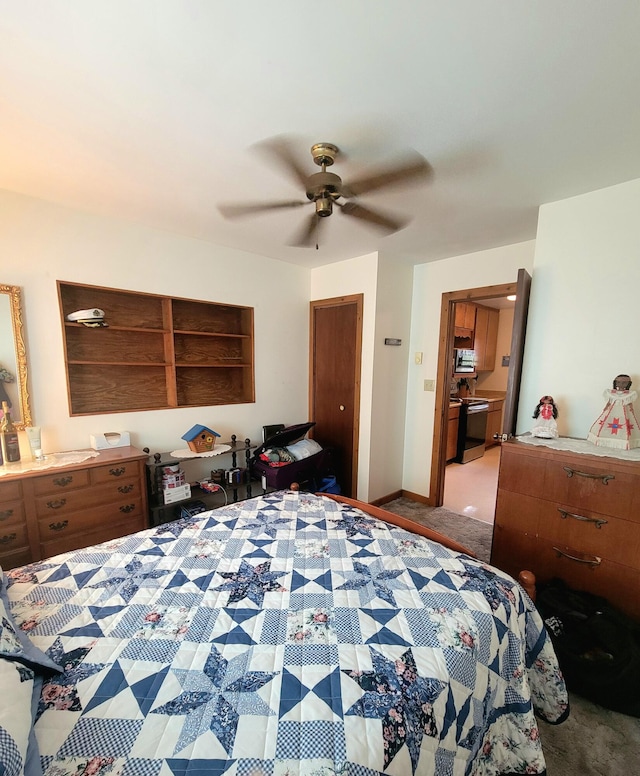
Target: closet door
334	400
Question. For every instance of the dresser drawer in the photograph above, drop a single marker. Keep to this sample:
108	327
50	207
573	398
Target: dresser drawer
586	530
9	491
115	472
12	559
13	537
521	473
603	488
61	482
617	583
11	512
78	523
98	534
592	533
87	498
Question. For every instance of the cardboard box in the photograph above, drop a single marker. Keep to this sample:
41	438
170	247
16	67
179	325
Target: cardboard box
176	494
110	439
175	480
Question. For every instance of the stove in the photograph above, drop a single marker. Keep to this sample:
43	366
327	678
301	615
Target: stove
472	428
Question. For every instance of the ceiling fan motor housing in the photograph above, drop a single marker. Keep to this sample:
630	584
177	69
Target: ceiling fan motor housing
323	188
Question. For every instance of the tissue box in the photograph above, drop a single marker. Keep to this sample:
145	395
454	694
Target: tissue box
171	495
110	439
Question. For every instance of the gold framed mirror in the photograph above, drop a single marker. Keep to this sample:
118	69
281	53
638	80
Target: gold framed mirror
13	357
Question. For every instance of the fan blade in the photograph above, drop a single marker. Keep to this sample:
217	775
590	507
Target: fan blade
412	169
376	217
249	209
308	235
280	150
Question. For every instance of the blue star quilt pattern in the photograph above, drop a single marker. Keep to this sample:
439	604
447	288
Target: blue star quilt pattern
286	635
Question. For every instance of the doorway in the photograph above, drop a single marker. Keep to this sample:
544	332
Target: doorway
521	289
471	475
334	382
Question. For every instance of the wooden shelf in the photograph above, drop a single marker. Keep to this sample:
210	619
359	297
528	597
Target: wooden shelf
153	351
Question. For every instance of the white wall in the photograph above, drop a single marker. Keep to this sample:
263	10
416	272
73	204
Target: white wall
388	410
430	281
356	276
41	243
583	315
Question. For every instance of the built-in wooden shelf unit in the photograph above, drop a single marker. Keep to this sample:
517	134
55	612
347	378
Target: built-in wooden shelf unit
156	352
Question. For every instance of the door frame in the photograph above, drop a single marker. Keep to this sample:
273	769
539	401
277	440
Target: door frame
339	301
445	357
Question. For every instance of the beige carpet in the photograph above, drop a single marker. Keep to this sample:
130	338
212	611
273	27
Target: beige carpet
593	741
473	534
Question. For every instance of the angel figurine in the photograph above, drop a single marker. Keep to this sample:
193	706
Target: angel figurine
617	425
545	415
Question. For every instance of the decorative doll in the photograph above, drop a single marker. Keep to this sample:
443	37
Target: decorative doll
545	415
617	425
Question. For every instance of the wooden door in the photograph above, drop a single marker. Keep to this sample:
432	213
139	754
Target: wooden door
520	311
334	384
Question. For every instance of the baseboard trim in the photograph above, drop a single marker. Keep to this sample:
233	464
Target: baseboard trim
418	497
378	502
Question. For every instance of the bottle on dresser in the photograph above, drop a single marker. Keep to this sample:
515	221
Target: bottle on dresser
9	436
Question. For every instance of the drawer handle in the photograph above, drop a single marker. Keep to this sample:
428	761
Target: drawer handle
57	503
594	561
6	514
604	477
127	508
58	526
62	481
7	539
126	488
117	472
598	522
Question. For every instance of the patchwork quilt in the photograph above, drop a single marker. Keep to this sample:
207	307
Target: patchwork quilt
280	636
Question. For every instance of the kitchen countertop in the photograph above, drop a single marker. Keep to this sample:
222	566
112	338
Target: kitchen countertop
489	399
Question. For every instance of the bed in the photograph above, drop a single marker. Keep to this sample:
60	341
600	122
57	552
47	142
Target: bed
288	634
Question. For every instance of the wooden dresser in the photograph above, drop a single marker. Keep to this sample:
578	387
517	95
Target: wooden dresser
50	511
570	515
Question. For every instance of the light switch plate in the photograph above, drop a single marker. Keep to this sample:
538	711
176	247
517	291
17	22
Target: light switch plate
429	385
418	358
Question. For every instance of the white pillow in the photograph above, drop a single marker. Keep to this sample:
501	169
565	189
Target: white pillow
304	448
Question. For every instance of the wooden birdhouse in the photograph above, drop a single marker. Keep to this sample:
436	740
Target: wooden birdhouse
200	439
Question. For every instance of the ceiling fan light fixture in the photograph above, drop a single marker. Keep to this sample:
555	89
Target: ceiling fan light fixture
324	205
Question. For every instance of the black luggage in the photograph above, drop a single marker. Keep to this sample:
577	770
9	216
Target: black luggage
598	647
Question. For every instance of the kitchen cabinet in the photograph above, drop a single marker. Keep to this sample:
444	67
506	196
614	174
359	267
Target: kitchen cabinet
464	325
54	510
494	421
573	516
465	315
156	352
452	431
486	338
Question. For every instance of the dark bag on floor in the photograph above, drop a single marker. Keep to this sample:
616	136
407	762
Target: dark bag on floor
598	647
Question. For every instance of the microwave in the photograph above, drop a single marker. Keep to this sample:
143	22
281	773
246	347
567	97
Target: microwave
464	361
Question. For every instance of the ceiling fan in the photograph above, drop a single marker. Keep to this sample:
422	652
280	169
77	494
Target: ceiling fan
326	189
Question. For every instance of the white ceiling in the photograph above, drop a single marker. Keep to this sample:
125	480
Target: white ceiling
148	110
